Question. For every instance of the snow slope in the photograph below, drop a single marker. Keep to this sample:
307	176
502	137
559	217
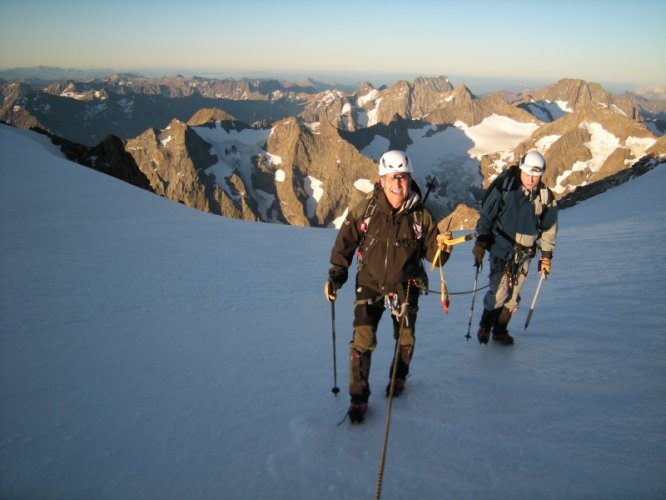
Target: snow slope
151	351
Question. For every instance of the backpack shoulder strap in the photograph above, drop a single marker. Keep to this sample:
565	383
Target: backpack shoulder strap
365	221
417	224
546	195
369	211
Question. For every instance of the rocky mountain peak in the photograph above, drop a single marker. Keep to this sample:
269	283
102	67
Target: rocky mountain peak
568	95
438	84
578	93
175	160
463	106
585	147
209	115
461	96
310	157
310	152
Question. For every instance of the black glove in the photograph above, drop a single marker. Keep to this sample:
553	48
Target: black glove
337	276
478	250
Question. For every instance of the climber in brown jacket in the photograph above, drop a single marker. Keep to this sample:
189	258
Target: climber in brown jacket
391	232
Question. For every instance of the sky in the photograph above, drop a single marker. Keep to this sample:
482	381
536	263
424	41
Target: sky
149	350
620	44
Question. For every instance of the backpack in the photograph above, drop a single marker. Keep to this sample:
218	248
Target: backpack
507	181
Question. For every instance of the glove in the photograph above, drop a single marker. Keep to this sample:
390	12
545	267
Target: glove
441	238
478	250
330	291
544	265
337	276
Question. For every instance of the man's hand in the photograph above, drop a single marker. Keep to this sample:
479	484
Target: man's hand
544	265
330	291
478	251
442	238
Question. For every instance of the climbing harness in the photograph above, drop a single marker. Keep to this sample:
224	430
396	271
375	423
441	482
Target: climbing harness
514	267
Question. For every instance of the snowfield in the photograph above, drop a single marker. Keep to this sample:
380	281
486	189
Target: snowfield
151	351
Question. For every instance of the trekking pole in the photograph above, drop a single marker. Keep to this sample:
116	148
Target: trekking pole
471	311
536	295
335	389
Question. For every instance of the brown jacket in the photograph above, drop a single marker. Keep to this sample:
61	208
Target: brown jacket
390	248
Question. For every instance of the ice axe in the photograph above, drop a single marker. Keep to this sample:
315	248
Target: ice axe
448	243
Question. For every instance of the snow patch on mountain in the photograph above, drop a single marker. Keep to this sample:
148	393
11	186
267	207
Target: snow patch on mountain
638	146
314	190
364	185
601	144
266	201
496	133
546	142
234	150
280	175
362	100
548	111
314	127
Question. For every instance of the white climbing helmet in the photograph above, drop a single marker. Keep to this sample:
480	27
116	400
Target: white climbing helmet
533	163
393	162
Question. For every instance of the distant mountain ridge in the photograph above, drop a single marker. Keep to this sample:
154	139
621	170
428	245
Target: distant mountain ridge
301	153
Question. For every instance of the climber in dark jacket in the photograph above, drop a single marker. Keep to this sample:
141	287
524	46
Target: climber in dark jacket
517	212
390	231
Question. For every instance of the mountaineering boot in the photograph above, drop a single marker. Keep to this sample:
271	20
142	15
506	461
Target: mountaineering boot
401	371
398	387
500	332
488	320
483	335
503	338
357	410
359	370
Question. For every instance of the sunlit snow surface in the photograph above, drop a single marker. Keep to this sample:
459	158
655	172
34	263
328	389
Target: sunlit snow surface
148	350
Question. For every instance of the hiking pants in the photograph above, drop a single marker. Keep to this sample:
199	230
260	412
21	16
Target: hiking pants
367	313
503	291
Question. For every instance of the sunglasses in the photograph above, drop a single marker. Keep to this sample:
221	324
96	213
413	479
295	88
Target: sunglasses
535	171
398	177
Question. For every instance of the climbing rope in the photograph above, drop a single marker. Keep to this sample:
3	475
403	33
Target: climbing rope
394	370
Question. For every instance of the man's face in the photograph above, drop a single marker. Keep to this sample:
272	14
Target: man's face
529	181
396	188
